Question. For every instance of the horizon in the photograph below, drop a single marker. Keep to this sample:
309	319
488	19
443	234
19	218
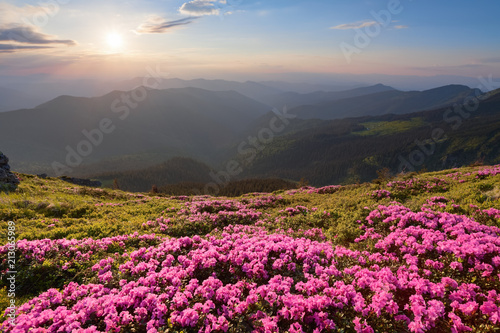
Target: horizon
315	41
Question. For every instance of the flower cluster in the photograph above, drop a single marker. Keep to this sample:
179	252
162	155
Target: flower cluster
458	176
380	194
319	190
414	186
488	171
418	271
297	210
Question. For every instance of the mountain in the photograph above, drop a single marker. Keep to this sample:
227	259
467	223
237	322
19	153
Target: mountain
175	170
293	99
389	101
343	81
186	122
181	176
250	89
305	88
354	149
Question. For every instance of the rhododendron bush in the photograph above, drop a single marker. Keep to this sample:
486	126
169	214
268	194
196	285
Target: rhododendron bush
422	271
269	263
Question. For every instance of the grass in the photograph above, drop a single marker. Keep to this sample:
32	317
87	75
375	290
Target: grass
51	208
389	127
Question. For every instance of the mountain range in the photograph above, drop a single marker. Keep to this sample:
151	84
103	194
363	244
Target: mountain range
166	123
354	149
386	100
325	136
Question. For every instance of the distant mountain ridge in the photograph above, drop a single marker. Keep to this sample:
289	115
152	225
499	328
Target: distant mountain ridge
136	129
354	149
293	99
187	122
388	101
250	89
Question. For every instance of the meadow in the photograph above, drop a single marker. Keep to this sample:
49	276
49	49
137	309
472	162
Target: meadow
414	253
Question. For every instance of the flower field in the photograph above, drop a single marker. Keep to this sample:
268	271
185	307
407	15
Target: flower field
420	253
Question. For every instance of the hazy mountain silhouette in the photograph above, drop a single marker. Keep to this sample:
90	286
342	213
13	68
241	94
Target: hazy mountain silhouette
250	89
146	127
175	170
353	149
390	101
293	99
184	122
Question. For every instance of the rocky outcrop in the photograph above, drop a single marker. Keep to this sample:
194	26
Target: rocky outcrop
8	180
82	182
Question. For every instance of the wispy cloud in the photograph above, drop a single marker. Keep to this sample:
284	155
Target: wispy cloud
195	9
25	34
18	30
401	27
160	26
203	7
354	25
9	48
199	8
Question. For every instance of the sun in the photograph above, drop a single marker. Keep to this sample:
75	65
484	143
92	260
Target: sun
114	40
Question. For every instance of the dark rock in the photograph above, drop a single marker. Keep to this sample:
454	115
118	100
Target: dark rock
4	160
8	180
42	175
81	182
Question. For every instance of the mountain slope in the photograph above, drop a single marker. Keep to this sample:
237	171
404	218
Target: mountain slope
250	89
391	101
175	122
353	149
293	99
86	257
173	171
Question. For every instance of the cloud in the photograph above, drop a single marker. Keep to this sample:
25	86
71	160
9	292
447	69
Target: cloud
201	7
401	27
18	27
194	9
9	48
160	26
354	25
29	35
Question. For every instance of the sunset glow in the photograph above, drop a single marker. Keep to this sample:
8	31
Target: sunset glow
251	39
114	40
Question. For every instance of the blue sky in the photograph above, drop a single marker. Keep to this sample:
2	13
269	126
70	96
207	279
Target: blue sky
221	38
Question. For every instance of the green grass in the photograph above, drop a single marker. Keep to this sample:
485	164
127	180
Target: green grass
51	208
389	127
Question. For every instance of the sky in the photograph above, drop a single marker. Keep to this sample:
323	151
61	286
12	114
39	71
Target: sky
238	38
